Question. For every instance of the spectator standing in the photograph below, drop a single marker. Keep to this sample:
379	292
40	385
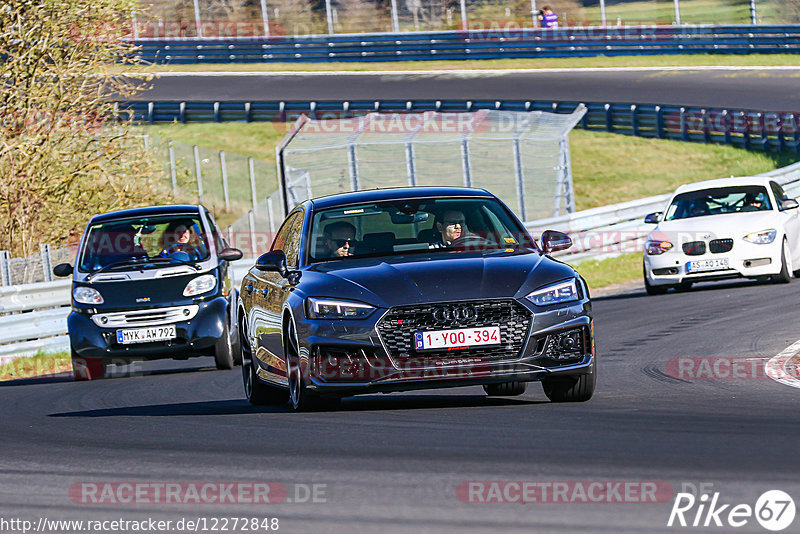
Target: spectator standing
547	18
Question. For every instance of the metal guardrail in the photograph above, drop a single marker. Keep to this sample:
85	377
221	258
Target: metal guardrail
33	317
612	230
40	323
754	130
480	44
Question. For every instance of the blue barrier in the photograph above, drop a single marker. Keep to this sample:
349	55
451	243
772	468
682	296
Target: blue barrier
480	44
768	131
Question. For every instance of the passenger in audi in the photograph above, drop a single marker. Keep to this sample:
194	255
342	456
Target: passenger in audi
450	227
339	238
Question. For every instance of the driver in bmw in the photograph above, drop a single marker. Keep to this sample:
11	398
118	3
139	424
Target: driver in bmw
450	226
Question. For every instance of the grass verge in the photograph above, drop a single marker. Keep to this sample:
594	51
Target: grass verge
38	365
610	271
607	168
697	60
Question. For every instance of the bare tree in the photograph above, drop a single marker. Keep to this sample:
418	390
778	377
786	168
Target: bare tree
63	157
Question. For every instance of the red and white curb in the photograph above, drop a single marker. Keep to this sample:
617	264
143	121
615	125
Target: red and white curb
785	367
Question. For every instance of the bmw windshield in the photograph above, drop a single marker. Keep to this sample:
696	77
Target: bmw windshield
718	200
400	227
148	240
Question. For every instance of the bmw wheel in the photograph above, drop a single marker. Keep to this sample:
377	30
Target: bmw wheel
785	276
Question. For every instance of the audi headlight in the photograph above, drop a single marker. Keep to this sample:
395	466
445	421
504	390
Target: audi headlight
202	284
654	248
337	309
555	293
87	295
763	237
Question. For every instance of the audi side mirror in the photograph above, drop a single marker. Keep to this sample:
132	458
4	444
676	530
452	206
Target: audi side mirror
230	254
62	269
274	261
788	204
653	218
553	241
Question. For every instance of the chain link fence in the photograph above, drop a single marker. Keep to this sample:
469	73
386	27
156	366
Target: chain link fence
224	19
230	185
522	157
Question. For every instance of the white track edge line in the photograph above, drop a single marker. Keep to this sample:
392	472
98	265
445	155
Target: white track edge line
484	72
775	368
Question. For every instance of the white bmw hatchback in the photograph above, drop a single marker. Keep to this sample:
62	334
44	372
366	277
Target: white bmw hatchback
726	228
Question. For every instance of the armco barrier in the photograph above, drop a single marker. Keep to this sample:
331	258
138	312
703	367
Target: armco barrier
755	130
599	232
619	228
492	43
33	317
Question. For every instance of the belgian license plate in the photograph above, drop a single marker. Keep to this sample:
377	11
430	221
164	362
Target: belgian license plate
146	335
459	338
707	265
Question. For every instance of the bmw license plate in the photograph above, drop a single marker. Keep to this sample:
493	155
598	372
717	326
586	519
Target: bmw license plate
459	338
707	265
146	335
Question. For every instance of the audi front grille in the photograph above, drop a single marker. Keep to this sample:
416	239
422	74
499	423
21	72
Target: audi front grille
399	324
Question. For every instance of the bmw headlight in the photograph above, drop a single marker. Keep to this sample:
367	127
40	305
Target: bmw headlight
87	295
202	284
555	293
337	309
763	237
654	248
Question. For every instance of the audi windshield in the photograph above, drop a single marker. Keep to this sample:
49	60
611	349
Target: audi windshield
413	226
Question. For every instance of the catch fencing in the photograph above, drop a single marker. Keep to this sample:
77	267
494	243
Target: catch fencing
323	157
744	128
230	185
201	19
481	44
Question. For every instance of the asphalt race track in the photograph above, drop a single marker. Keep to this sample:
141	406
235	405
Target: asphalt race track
393	463
763	89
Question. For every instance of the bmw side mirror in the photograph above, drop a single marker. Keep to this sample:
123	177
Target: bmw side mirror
274	261
230	254
553	241
653	218
62	269
789	204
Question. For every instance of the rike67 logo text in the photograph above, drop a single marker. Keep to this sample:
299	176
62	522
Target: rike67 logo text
774	510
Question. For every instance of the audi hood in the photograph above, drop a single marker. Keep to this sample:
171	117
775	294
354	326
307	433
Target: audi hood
395	281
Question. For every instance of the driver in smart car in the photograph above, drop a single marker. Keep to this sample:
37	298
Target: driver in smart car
180	237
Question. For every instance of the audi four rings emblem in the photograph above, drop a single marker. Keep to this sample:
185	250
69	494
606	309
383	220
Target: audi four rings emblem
451	314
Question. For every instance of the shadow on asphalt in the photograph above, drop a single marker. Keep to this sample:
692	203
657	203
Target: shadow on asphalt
112	373
701	287
357	404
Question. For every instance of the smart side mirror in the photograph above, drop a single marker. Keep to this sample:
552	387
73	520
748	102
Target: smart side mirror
230	254
62	269
788	204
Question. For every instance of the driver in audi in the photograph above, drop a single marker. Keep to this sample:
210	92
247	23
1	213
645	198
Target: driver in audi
450	227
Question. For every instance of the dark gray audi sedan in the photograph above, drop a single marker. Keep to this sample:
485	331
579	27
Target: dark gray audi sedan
413	288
